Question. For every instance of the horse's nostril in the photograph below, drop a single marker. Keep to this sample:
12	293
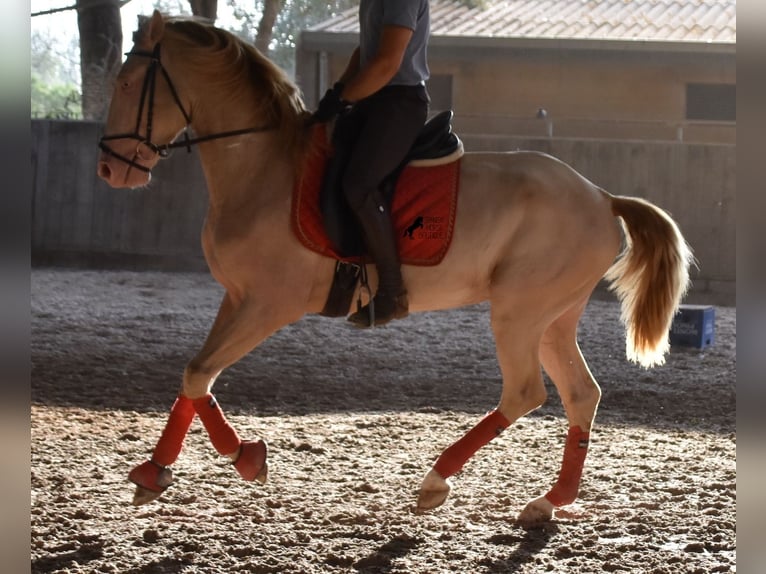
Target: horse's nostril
104	171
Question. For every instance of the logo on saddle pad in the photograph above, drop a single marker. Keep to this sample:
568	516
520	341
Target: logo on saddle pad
423	207
417	224
427	227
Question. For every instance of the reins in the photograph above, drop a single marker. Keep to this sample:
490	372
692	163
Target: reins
161	150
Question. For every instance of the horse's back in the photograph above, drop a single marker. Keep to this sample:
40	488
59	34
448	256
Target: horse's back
530	225
523	179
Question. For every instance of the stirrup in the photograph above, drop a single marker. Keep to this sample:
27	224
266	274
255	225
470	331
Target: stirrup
368	309
366	317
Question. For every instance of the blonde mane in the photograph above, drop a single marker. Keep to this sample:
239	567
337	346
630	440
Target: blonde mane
227	65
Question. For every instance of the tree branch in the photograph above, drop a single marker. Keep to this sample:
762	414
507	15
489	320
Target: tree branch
121	3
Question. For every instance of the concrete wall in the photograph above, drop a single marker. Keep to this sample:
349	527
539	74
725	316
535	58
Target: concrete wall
589	84
77	219
498	86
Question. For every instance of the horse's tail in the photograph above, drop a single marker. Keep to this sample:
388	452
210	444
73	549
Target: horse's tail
650	277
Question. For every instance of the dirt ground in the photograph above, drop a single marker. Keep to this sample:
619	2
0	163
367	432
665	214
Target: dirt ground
354	420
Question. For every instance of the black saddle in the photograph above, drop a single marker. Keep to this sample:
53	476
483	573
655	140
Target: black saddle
436	140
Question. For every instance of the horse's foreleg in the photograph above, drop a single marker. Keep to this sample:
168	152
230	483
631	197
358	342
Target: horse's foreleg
241	329
580	395
154	475
238	328
523	391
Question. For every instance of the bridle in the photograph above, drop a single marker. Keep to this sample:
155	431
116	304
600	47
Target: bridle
161	150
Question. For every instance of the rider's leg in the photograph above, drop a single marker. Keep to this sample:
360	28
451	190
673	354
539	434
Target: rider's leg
391	296
389	124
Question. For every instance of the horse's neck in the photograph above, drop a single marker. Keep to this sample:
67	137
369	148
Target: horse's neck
246	173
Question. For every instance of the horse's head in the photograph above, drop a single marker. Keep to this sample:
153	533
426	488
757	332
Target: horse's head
145	113
184	67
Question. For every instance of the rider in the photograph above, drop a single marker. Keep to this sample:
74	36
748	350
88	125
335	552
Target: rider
383	88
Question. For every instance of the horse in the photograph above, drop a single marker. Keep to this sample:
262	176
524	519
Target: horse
532	236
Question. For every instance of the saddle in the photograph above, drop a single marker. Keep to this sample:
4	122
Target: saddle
421	193
435	145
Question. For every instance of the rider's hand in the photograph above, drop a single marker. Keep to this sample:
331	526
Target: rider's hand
331	104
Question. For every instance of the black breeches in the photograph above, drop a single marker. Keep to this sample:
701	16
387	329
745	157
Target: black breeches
377	134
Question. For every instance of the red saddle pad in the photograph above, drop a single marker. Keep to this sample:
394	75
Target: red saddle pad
423	209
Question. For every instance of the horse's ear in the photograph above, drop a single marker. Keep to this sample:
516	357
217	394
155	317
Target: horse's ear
156	27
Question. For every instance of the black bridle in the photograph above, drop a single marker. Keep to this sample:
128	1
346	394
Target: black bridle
148	89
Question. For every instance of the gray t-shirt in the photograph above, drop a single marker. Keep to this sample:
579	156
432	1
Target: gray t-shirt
412	14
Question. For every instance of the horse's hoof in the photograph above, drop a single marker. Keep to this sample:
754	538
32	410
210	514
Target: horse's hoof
151	480
144	496
430	499
433	492
263	476
251	463
536	513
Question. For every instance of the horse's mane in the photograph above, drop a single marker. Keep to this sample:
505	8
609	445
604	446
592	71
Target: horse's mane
229	65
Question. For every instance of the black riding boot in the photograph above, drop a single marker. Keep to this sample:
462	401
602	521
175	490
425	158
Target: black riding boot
390	301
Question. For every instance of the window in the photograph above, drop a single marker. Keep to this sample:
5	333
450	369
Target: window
714	102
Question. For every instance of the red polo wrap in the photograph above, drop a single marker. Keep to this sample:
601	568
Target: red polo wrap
568	484
224	438
453	459
169	446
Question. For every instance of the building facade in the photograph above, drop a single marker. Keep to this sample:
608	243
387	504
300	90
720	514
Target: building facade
637	69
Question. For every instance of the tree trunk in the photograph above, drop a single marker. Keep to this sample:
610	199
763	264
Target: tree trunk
100	27
205	8
263	37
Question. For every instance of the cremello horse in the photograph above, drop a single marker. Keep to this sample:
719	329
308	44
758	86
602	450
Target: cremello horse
532	236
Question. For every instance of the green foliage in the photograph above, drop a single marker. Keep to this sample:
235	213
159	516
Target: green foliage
55	100
295	15
55	64
55	82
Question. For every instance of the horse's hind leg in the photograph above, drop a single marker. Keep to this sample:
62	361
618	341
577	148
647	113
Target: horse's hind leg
238	328
580	394
523	391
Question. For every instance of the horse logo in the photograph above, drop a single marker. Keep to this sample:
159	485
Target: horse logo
417	224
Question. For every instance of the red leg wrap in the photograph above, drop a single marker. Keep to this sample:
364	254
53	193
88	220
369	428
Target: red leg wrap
453	459
169	446
224	438
151	476
568	484
251	462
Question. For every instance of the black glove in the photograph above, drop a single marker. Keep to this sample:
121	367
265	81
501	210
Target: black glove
331	104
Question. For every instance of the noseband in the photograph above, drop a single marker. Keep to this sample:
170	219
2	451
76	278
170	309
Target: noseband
147	90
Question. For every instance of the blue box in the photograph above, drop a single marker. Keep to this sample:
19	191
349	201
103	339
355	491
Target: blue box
693	326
